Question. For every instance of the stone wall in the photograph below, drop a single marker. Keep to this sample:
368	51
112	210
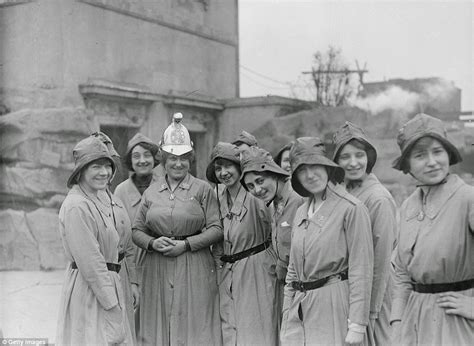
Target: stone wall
35	162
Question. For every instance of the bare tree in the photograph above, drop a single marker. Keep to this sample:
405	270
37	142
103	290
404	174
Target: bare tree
332	78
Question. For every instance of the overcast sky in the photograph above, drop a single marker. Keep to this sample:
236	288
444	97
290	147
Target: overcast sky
397	39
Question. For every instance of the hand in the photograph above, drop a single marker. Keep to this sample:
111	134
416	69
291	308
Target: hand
353	337
161	243
135	295
174	250
280	273
457	304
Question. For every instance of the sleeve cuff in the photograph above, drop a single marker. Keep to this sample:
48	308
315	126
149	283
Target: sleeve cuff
398	307
355	327
150	244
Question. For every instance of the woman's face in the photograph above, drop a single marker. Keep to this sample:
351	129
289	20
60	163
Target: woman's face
285	161
429	161
142	161
96	175
262	186
314	178
176	167
226	172
354	162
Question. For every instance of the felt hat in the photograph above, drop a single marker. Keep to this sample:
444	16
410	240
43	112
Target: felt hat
246	138
86	151
348	132
423	125
222	150
259	160
311	151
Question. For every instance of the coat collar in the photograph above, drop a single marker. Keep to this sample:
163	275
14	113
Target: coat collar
436	198
285	197
238	207
184	185
132	192
369	181
334	193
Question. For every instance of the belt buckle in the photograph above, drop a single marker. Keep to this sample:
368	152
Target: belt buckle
298	285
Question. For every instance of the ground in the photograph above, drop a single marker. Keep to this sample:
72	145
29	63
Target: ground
29	303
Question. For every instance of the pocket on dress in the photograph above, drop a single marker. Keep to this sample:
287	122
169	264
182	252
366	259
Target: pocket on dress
114	325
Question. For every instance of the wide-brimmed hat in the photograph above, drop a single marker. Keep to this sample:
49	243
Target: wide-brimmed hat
311	151
176	139
348	132
423	125
108	143
259	160
246	138
281	151
137	139
86	151
222	150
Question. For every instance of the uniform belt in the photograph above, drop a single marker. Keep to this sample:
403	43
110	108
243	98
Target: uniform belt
182	237
246	253
312	285
446	287
113	267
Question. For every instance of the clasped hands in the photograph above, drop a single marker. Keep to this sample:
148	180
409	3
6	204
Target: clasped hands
169	247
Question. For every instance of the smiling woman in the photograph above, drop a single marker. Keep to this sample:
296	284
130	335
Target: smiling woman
357	156
329	300
264	179
435	252
177	222
246	271
92	304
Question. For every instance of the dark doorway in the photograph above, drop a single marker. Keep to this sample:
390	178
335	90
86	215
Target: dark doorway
120	136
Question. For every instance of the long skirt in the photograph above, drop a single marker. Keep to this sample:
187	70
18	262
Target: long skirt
248	305
318	317
83	321
425	323
179	300
127	292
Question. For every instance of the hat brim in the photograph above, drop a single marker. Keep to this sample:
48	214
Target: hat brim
453	152
337	174
72	180
279	155
154	147
372	159
211	172
261	167
177	150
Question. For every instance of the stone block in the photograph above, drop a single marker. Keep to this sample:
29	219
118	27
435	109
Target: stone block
18	247
43	224
32	182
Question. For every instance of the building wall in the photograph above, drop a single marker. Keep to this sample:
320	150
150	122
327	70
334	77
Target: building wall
250	113
71	67
49	47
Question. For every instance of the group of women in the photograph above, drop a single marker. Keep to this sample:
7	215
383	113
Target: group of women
303	249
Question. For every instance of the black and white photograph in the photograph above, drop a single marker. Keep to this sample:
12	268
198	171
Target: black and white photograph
236	172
